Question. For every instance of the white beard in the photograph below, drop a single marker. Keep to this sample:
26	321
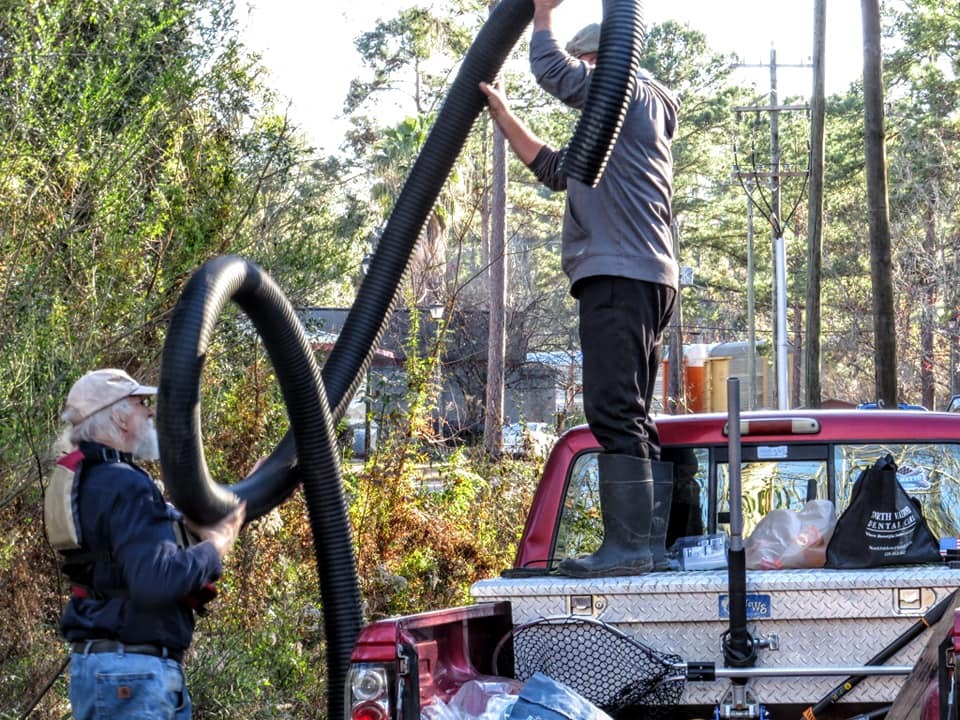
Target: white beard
147	447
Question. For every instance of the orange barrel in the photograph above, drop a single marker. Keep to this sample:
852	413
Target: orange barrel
695	380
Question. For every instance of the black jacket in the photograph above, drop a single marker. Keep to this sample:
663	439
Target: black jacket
135	588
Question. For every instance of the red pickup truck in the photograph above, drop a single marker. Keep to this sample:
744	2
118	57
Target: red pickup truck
620	642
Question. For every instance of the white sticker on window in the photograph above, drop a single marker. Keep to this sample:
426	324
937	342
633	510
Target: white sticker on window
775	452
913	479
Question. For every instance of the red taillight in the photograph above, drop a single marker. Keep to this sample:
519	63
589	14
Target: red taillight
369	711
368	692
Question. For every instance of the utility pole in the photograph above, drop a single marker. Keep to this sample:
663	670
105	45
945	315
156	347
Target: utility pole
497	305
675	398
811	348
884	320
774	217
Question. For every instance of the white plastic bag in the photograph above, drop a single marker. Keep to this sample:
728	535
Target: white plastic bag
792	538
486	698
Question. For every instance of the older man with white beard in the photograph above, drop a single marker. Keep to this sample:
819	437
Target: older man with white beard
136	578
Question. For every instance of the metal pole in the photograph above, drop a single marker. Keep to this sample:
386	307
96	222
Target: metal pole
739	648
733	464
779	248
780	285
700	672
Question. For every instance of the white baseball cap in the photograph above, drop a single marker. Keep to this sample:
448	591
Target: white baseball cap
99	389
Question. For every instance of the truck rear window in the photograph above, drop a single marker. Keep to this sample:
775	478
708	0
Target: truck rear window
773	477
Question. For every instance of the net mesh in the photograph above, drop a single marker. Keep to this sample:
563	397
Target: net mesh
611	669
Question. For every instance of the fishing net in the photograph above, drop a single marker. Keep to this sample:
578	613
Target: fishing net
609	668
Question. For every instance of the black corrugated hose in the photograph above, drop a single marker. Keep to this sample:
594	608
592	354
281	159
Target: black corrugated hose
181	451
611	88
365	324
273	482
317	399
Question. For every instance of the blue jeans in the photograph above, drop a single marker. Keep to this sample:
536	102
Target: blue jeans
127	685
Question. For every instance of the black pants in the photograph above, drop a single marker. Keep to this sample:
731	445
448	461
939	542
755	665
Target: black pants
621	328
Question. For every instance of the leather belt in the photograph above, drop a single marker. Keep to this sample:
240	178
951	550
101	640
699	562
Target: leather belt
104	646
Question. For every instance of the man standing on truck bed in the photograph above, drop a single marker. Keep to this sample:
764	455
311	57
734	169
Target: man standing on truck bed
618	254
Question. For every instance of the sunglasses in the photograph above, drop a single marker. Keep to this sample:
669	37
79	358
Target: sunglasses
144	400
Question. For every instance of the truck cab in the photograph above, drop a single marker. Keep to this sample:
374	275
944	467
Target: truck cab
787	459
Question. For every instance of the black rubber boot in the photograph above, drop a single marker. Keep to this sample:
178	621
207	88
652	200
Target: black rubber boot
659	521
686	518
626	501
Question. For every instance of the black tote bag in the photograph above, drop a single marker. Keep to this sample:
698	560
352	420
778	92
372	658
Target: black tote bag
883	525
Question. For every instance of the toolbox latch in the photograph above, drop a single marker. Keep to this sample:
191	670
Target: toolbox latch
590	605
913	601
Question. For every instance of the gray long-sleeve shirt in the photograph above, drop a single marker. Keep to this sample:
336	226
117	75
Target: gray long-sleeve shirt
622	226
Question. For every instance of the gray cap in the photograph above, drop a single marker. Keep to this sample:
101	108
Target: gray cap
587	40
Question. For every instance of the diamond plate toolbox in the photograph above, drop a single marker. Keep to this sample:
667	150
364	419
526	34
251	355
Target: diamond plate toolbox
803	618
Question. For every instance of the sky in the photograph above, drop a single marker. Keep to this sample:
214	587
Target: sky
307	45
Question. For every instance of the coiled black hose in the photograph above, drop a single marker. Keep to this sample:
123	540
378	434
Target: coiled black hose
611	89
276	478
181	450
317	399
596	132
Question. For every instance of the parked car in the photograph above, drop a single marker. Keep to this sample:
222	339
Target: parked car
879	406
954	404
527	439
